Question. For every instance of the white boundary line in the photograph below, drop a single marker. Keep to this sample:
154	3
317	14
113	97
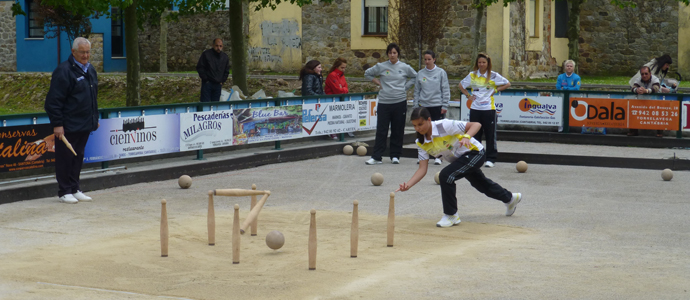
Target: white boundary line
111	291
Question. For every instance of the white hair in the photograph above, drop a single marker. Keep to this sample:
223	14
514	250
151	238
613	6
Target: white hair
80	41
570	61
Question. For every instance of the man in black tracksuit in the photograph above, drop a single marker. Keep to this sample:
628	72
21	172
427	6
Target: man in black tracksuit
213	68
72	107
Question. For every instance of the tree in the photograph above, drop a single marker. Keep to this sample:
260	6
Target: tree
420	25
57	19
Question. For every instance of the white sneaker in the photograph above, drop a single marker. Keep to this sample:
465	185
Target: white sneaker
512	205
395	160
69	199
350	134
81	197
372	161
437	161
448	220
489	164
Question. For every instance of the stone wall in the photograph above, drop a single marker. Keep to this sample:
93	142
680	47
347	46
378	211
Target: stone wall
187	38
617	41
96	58
8	38
518	55
326	36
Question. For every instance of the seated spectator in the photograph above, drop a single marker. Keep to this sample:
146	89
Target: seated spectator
568	81
659	67
645	84
312	81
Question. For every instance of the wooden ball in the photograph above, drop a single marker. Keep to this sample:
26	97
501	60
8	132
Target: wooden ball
275	240
361	151
521	166
438	181
667	174
185	181
347	150
377	179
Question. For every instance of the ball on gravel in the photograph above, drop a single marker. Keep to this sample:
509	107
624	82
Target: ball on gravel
667	174
347	150
185	181
521	166
361	151
275	239
438	181
377	179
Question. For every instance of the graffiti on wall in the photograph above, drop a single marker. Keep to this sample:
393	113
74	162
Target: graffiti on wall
263	54
285	32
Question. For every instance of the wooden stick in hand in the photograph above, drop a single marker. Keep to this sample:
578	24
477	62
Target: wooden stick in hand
69	146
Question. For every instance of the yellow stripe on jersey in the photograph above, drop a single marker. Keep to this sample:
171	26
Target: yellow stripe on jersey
483	83
443	143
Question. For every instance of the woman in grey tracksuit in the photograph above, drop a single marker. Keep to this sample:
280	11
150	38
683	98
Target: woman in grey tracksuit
395	78
432	90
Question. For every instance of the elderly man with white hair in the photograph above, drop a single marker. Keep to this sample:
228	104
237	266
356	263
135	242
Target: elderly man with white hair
72	107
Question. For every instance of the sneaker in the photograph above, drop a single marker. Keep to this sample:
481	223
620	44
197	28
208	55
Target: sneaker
395	160
81	197
449	220
334	137
437	161
512	205
489	164
69	199
350	134
372	161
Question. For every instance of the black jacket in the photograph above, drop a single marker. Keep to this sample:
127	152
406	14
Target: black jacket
72	99
312	84
213	66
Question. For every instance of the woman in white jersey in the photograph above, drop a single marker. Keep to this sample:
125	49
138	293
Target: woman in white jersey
432	90
484	83
452	140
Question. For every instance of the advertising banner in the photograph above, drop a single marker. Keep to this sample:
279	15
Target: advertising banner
521	110
26	147
366	113
263	124
329	118
203	130
624	113
685	107
133	137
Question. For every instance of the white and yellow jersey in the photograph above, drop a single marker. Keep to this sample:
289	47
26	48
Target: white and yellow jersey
445	141
483	87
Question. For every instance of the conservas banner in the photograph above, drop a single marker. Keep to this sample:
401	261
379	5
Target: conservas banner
133	137
624	113
204	130
26	147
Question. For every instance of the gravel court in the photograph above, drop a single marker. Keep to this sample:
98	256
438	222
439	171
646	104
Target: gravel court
581	232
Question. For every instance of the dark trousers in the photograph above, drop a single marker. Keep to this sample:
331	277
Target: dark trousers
210	91
488	120
392	115
68	166
435	112
468	166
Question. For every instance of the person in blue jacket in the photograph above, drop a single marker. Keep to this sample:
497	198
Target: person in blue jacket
569	80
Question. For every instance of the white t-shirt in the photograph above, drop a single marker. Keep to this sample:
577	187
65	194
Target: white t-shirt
445	141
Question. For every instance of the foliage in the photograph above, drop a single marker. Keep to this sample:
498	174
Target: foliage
57	19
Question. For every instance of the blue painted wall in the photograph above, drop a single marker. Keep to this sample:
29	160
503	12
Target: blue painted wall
41	55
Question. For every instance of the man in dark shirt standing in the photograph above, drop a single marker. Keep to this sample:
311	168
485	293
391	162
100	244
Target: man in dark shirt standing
72	107
213	68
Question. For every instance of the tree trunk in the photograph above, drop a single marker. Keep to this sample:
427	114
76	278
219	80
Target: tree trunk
238	51
163	52
132	47
477	28
574	33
